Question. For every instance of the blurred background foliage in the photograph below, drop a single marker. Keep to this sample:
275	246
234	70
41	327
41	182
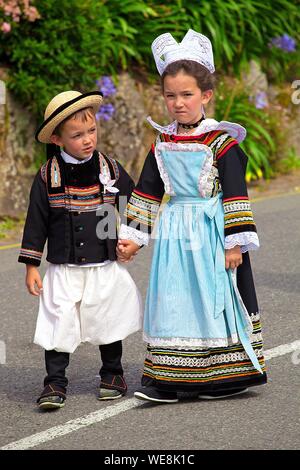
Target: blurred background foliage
71	43
75	41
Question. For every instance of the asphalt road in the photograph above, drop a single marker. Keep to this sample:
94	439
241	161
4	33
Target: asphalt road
265	418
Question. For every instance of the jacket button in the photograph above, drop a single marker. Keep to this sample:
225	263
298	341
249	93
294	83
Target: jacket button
78	228
79	244
81	259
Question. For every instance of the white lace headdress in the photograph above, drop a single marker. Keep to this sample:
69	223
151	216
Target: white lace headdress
194	46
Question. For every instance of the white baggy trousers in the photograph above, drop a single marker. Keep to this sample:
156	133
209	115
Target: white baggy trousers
99	305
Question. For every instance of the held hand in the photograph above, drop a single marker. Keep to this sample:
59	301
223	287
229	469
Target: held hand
33	280
126	250
233	257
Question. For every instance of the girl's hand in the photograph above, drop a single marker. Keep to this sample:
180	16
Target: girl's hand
233	257
126	250
33	280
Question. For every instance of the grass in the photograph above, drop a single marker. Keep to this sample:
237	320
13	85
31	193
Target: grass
9	225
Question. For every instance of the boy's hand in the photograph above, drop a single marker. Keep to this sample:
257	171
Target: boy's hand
33	280
126	250
233	257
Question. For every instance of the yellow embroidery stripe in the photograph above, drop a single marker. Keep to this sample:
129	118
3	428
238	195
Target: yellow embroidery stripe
238	214
247	222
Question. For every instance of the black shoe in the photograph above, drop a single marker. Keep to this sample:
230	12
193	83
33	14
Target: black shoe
152	394
223	394
52	398
113	388
107	394
51	403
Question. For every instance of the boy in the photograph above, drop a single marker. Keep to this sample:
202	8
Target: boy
86	295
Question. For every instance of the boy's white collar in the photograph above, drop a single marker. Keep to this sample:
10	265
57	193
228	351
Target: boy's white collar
69	159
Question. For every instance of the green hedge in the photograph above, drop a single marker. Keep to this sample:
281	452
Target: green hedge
75	42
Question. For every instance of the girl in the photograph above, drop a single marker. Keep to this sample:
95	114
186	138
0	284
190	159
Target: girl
201	320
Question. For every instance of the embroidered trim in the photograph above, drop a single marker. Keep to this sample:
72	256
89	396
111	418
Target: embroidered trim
201	362
205	172
161	168
27	253
44	171
213	186
182	343
185	147
130	233
243	206
237	212
115	167
228	371
55	173
113	385
219	141
143	209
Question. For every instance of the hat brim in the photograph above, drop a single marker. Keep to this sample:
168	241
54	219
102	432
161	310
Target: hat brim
92	99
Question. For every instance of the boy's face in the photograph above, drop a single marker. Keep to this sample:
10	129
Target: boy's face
78	138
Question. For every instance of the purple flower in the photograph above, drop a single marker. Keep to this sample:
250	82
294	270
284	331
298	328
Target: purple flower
284	42
105	112
106	86
261	100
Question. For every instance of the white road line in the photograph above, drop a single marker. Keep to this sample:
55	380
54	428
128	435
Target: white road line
281	350
113	410
73	425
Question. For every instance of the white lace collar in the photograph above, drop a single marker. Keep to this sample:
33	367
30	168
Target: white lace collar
236	131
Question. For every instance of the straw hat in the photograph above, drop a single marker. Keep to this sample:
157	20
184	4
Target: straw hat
63	105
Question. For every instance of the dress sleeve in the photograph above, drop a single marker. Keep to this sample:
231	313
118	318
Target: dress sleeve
143	206
36	225
240	228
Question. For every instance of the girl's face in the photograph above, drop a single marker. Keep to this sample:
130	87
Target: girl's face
183	97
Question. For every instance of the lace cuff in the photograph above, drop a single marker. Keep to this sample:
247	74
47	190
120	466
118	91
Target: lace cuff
246	240
129	233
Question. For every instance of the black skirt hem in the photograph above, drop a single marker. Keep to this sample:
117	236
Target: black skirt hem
215	386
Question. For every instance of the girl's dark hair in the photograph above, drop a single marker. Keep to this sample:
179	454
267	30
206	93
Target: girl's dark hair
205	79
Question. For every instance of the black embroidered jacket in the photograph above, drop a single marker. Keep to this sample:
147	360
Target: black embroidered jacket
69	208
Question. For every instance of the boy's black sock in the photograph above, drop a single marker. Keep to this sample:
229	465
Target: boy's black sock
56	364
111	355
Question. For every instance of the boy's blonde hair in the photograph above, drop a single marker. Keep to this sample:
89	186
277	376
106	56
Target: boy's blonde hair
82	114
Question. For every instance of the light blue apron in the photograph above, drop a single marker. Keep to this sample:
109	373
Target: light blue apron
190	294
